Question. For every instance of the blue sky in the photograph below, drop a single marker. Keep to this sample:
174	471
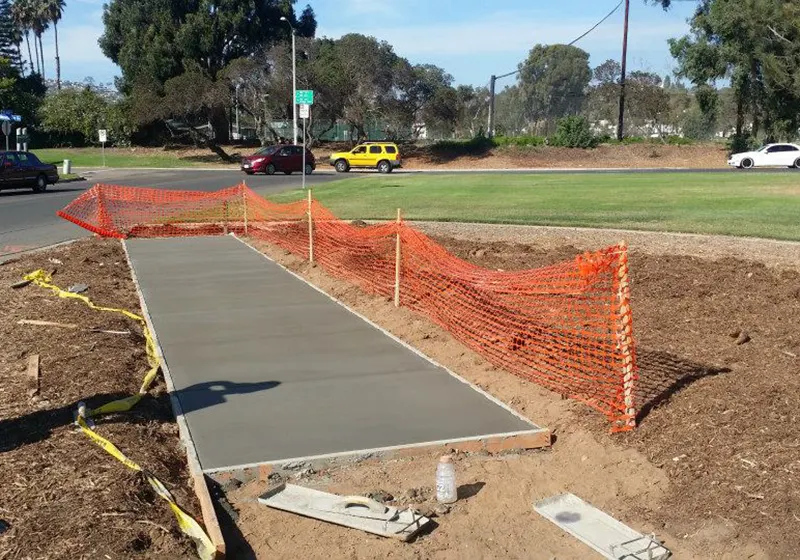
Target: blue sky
471	39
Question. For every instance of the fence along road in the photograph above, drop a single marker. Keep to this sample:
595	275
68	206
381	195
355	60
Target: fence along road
267	368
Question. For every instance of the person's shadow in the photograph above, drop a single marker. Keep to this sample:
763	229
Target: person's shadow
211	393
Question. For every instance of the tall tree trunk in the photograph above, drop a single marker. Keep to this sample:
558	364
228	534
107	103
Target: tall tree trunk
36	48
58	60
739	113
41	54
30	56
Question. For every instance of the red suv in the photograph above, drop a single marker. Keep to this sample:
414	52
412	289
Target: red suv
286	158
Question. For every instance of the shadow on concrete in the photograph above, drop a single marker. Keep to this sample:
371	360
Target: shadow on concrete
210	393
662	375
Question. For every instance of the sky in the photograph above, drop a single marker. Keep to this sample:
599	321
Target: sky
470	39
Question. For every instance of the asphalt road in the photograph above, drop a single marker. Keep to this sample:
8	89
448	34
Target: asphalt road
29	221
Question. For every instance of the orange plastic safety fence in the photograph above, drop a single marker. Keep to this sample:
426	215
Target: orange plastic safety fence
566	327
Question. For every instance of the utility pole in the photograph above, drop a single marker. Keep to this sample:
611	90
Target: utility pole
621	122
490	126
294	79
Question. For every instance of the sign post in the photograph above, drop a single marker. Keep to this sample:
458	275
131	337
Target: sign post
102	135
304	98
7	131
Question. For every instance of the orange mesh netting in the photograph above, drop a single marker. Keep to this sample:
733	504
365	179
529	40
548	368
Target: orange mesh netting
566	327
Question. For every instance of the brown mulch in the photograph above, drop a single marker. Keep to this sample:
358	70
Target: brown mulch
718	415
61	495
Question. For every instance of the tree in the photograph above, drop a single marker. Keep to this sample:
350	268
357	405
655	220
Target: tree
648	105
473	107
155	41
78	113
554	80
53	10
22	14
603	98
753	43
10	35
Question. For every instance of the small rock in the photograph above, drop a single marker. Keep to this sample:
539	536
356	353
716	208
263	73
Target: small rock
295	465
743	338
231	484
735	333
411	494
305	473
424	510
358	223
78	288
441	509
4	526
380	496
54	261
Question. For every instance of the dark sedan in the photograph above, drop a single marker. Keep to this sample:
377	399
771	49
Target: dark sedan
23	170
285	158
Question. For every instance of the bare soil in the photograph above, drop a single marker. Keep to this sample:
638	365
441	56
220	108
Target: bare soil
713	469
698	156
61	495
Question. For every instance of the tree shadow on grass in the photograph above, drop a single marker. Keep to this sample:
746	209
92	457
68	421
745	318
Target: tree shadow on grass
662	375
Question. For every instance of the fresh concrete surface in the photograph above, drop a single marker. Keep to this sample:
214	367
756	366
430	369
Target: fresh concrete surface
267	368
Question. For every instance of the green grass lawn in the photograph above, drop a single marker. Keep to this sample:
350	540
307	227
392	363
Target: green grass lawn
124	157
745	204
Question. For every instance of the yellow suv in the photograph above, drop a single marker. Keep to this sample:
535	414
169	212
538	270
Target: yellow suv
383	156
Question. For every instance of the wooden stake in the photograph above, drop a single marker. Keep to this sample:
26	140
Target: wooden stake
46	323
225	217
310	231
244	203
33	375
397	261
625	337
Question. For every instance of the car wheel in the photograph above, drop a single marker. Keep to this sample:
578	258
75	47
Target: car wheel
309	169
384	166
248	172
41	183
342	166
797	164
747	163
270	169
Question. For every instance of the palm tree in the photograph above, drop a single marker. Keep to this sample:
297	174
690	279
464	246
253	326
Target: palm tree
53	9
21	12
39	24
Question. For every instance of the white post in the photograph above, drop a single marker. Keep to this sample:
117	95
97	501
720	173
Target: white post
103	149
304	153
310	231
294	86
397	261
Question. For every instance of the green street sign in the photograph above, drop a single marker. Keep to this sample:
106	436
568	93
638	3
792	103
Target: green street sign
304	97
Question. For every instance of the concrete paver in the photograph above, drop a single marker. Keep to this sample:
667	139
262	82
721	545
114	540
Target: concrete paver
267	368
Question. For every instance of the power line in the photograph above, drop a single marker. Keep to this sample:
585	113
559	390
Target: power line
595	26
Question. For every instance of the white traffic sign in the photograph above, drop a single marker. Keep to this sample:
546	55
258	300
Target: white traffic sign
305	111
103	135
7	126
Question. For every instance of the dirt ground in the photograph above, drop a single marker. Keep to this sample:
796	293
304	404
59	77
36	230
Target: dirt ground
60	494
699	156
713	469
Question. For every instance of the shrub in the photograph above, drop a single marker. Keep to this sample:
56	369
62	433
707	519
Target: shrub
742	143
520	141
574	132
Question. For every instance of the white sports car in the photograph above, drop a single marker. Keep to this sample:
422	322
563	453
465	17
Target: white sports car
771	155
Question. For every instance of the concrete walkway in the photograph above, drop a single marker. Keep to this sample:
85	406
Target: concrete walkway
267	368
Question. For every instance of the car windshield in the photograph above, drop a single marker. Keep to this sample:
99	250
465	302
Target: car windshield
268	151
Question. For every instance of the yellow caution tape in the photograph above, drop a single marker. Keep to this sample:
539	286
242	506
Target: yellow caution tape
190	527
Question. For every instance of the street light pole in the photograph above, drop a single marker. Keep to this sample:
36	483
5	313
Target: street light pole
294	80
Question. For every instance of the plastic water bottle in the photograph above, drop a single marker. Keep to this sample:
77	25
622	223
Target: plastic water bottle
446	492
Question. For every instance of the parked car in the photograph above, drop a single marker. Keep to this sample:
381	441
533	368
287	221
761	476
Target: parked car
286	158
383	156
21	170
771	155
